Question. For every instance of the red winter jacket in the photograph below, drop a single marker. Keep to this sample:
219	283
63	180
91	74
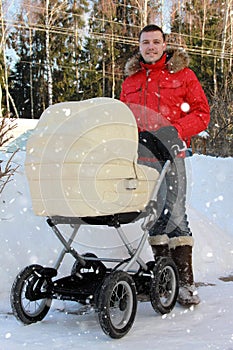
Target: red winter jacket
164	93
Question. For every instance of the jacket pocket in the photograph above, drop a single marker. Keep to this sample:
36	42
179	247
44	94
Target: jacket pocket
133	93
171	84
171	96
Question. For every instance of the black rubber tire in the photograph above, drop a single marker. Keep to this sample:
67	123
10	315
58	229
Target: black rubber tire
117	304
164	285
23	308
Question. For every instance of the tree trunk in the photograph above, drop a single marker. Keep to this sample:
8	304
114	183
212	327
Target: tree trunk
224	32
0	101
1	46
31	80
203	31
113	65
5	75
47	52
231	35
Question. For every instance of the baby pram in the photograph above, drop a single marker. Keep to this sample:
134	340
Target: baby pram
81	165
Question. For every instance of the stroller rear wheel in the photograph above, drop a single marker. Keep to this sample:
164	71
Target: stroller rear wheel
26	304
117	304
164	285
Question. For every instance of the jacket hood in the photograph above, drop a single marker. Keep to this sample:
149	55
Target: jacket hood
177	59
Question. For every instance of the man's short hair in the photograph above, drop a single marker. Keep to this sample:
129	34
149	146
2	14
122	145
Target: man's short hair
152	28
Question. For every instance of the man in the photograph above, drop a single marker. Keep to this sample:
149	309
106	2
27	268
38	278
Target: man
170	107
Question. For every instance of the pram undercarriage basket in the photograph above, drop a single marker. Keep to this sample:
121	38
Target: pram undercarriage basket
82	169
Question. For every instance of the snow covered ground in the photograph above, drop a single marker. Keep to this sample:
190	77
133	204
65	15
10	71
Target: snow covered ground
26	239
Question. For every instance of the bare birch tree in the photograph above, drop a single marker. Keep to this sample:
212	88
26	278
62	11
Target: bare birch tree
4	73
47	51
225	30
143	10
4	67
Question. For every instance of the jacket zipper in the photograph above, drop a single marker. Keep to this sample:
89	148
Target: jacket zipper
145	99
158	96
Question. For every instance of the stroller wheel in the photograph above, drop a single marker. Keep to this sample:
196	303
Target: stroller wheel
27	304
164	285
117	304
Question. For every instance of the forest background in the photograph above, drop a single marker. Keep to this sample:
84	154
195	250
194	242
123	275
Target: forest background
62	50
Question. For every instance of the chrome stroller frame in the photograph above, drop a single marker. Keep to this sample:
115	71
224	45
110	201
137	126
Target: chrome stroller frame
149	217
112	292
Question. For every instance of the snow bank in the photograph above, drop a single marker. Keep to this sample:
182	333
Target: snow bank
26	238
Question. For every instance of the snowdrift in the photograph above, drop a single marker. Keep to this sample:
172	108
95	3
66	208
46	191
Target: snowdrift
26	238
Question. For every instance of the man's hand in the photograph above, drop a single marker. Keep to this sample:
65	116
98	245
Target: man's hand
168	143
164	143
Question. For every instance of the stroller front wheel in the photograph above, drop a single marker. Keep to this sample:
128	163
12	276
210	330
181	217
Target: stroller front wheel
117	304
27	304
164	285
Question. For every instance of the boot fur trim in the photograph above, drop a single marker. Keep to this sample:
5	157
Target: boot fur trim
181	241
158	240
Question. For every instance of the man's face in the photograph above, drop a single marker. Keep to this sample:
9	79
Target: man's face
152	46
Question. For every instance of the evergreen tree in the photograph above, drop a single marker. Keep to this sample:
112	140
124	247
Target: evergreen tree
206	26
32	78
67	51
91	82
201	25
28	78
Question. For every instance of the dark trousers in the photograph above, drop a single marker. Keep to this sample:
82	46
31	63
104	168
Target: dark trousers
172	218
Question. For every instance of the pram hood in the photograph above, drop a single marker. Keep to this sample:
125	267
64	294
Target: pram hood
81	160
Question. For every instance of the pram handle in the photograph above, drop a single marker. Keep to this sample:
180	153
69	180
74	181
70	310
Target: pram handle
148	140
165	144
151	207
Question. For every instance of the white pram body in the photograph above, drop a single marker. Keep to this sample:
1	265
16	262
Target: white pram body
81	166
82	161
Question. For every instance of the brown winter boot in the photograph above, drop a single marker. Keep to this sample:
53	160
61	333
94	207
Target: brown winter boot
159	245
181	253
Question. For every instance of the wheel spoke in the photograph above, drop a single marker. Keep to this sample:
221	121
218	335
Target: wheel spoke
120	300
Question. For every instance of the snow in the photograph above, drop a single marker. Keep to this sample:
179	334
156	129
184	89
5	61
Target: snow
204	134
26	239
